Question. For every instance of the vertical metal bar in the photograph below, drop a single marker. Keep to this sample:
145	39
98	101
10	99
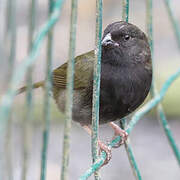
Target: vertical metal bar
131	157
10	36
10	42
69	91
160	110
29	99
134	167
8	151
48	85
149	24
96	85
125	12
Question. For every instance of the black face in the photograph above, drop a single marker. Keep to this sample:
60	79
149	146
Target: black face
124	43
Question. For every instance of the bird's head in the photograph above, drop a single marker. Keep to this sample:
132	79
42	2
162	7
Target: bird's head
124	43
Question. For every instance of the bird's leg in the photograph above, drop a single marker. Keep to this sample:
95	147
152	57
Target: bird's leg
87	129
102	146
119	132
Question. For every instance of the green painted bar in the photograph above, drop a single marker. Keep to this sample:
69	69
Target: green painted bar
47	108
29	99
130	155
96	85
128	148
69	91
149	18
160	110
133	162
9	39
125	10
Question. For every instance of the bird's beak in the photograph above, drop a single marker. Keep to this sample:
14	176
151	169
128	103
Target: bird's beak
107	40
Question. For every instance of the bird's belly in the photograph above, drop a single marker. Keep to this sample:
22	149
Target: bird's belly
82	108
112	110
120	99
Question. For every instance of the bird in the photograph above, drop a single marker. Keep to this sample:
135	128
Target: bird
126	76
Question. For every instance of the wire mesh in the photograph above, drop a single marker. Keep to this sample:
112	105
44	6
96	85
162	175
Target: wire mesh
7	99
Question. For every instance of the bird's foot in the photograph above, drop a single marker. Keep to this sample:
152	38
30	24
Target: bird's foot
119	132
104	147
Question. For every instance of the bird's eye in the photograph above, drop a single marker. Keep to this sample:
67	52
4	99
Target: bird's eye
126	37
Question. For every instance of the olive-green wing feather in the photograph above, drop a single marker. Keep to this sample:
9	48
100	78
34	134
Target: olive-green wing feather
82	75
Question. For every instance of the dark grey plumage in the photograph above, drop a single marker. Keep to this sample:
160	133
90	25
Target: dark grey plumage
126	75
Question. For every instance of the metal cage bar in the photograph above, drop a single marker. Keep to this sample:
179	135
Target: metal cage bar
125	10
29	95
96	85
47	108
10	46
128	148
69	91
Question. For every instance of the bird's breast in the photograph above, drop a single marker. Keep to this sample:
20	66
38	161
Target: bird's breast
123	89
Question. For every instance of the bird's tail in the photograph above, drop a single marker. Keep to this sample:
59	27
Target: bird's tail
34	86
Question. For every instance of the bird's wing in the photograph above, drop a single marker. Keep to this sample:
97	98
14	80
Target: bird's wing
82	75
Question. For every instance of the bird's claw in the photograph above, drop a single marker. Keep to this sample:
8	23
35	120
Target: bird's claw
107	149
119	132
123	134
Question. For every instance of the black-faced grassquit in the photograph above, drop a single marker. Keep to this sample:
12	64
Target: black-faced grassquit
126	75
